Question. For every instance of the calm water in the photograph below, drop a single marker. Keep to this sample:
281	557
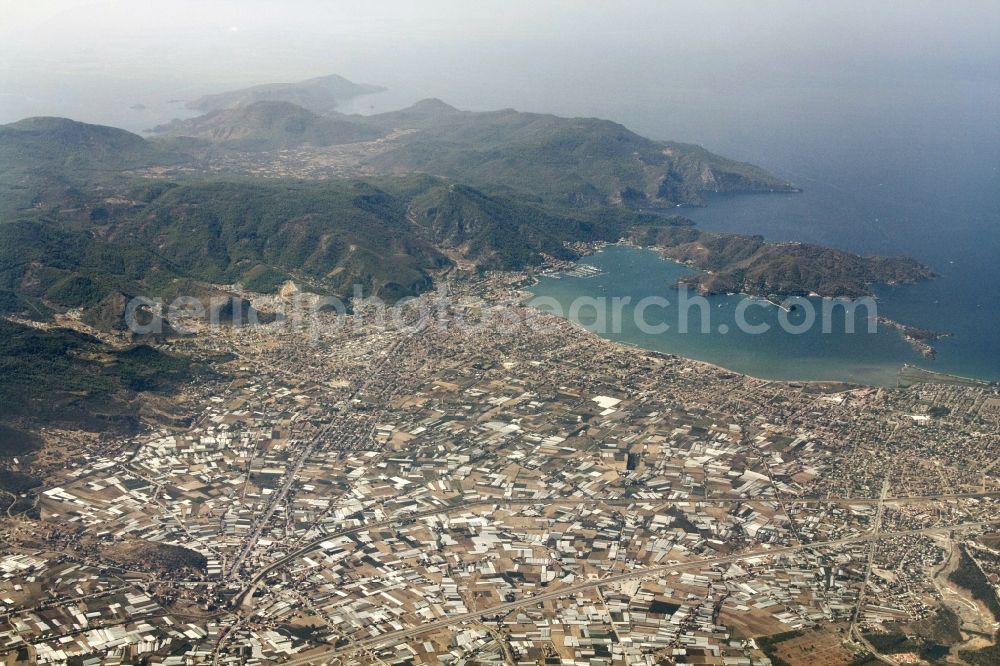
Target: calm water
863	357
894	140
961	301
899	167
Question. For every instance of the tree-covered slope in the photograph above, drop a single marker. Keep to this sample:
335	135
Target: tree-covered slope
320	95
60	375
264	126
751	265
166	240
494	232
47	162
330	234
41	142
575	161
388	237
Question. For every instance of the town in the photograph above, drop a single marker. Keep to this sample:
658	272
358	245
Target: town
498	492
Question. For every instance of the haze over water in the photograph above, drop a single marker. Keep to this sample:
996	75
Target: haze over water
861	357
912	168
886	116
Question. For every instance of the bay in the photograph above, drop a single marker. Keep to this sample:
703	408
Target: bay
781	352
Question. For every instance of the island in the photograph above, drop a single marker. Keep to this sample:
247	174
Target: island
732	263
918	338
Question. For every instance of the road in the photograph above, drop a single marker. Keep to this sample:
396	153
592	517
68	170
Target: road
863	594
502	609
292	475
277	498
315	543
289	480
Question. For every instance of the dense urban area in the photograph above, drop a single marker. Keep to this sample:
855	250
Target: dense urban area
496	485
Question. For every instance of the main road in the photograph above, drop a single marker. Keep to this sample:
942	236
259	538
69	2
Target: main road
501	609
303	455
252	584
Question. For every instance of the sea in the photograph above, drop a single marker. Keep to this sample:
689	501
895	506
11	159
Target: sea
909	168
898	156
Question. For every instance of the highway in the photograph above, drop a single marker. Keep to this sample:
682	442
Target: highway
501	609
277	498
290	477
252	584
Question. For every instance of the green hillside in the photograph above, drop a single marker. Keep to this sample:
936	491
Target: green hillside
568	161
320	95
65	376
35	143
46	162
269	126
751	265
331	235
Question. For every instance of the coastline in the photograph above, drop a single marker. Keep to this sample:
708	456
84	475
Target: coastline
533	277
524	296
940	377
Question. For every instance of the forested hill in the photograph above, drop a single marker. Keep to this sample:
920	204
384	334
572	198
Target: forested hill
48	142
752	265
57	161
320	95
391	237
568	161
261	126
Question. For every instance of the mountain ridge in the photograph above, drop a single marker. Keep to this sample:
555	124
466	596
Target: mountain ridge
320	94
755	266
268	125
575	161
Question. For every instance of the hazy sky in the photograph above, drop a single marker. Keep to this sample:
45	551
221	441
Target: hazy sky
367	38
884	111
94	59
